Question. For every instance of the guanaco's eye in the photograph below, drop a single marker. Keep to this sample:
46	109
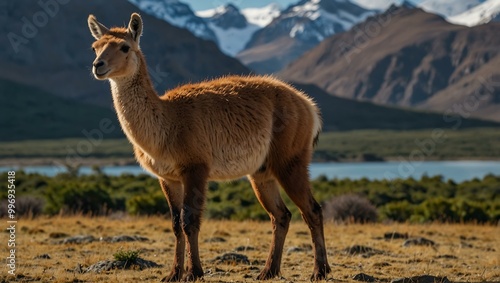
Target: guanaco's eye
125	48
93	49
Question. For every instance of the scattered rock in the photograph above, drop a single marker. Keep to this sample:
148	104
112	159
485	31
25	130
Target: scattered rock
244	248
215	240
36	231
395	235
42	256
465	238
302	233
422	279
301	248
447	256
58	235
106	265
465	245
81	239
418	242
232	258
362	250
295	250
364	277
123	238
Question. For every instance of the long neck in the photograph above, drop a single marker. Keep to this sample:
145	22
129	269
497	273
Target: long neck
140	111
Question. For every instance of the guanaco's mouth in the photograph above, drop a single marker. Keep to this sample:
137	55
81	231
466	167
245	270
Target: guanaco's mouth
99	74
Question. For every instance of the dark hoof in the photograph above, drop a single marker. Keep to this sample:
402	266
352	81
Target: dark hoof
320	273
267	274
193	275
174	276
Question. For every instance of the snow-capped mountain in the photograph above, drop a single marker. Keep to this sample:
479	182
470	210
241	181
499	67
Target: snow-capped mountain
380	5
314	20
483	13
297	29
449	8
262	16
178	14
230	26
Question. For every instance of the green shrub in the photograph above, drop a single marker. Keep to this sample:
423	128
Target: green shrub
436	209
148	204
127	256
74	199
470	211
400	211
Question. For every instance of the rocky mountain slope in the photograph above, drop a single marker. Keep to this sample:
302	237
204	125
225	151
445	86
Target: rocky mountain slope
433	65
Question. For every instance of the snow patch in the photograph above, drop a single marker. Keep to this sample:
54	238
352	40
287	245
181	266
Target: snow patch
480	14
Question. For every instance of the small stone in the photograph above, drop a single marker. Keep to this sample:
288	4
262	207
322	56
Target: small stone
422	279
364	277
418	242
123	238
395	235
58	235
244	248
81	239
295	250
106	265
465	245
215	240
42	256
447	256
231	258
362	250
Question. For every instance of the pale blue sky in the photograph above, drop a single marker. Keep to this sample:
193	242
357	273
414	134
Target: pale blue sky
198	5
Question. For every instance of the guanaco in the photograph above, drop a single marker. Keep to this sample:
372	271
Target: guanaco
222	129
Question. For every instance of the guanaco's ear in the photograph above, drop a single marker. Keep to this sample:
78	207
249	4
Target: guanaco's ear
135	26
96	28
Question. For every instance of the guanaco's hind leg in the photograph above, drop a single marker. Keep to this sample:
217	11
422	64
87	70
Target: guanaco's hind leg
293	176
266	189
194	180
175	196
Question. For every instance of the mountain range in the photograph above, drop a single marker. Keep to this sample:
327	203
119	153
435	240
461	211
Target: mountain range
434	65
46	78
268	38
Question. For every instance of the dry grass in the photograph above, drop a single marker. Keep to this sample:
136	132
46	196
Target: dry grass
476	248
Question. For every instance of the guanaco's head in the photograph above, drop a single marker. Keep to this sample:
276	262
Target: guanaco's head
117	49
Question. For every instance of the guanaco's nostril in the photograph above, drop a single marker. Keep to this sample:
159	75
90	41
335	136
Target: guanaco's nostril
98	64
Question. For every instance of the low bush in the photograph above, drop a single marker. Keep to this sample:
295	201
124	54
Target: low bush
148	204
350	208
78	199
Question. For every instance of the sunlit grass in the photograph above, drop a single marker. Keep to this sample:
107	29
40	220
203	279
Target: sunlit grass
465	253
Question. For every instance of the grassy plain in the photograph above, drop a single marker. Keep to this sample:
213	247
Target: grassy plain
463	253
473	144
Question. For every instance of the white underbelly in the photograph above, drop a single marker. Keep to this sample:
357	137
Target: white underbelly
238	162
